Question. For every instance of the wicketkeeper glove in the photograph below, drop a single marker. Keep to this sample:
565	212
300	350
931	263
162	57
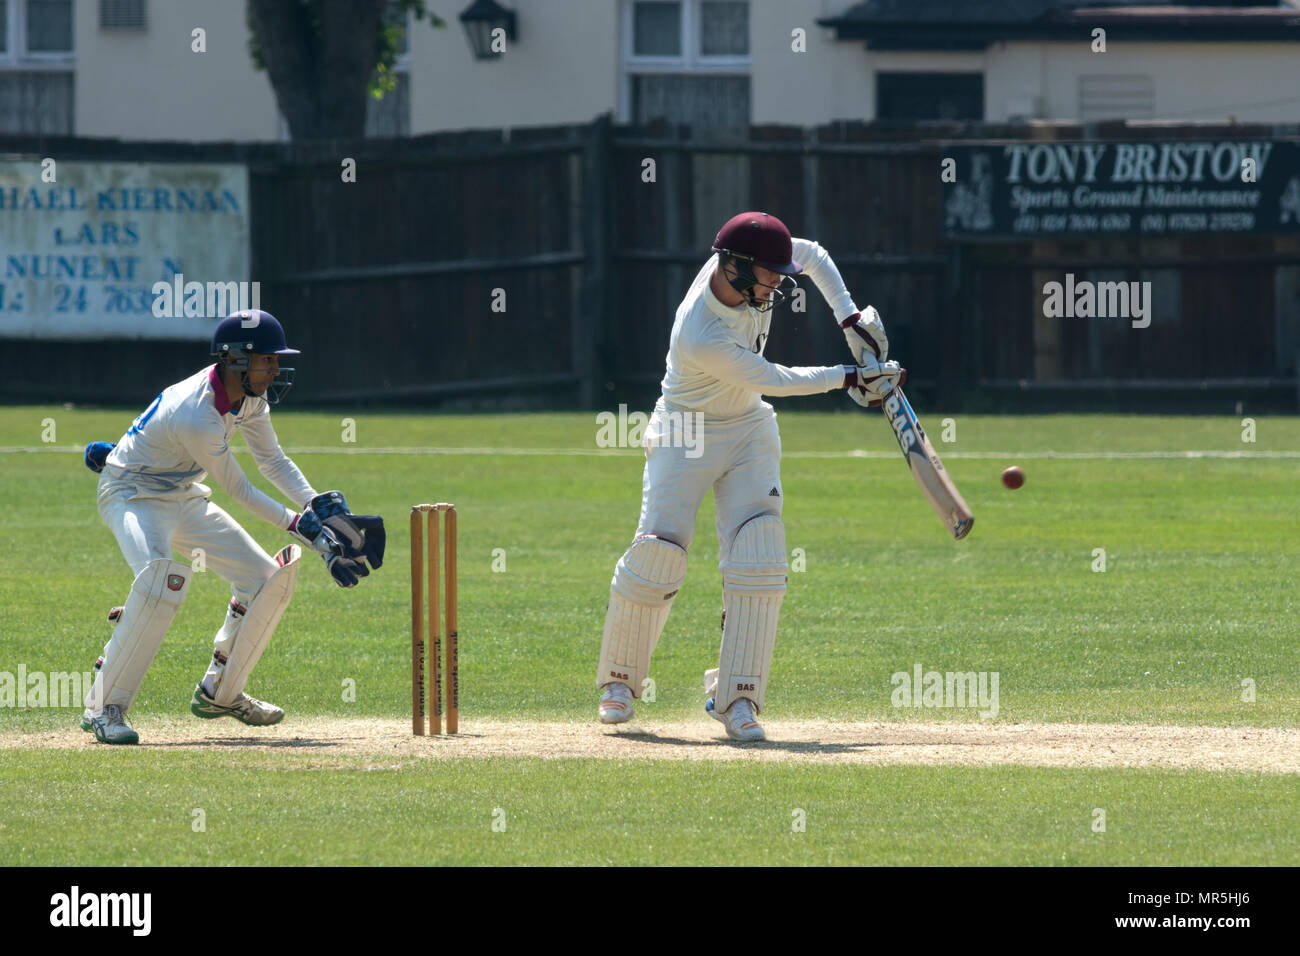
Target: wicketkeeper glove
346	572
362	536
308	528
347	542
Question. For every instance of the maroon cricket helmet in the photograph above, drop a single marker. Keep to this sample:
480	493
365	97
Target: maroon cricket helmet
761	238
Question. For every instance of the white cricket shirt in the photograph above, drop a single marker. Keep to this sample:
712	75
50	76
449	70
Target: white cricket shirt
184	436
715	355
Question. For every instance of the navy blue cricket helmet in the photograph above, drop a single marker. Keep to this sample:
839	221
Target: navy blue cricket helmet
241	335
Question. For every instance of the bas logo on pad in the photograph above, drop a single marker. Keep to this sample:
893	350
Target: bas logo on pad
175	582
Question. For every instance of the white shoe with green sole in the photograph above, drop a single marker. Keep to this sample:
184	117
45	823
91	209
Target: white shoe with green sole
246	710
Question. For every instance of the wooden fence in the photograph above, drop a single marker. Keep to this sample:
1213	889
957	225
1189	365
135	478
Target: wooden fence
544	268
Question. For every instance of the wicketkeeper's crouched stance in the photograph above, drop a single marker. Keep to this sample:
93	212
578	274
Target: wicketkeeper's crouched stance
711	429
151	496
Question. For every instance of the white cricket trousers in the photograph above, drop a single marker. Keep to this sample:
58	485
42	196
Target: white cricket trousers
148	529
740	459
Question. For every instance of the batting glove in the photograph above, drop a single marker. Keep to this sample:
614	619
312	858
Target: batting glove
869	384
865	333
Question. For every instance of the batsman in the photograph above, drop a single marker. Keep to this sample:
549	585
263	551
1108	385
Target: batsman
715	380
151	495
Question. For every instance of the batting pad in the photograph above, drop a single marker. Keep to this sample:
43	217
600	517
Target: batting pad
156	595
645	581
753	586
257	626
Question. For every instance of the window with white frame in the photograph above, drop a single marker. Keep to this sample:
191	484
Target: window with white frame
685	61
35	32
36	63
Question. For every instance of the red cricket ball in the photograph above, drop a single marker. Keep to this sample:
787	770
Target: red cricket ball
1013	477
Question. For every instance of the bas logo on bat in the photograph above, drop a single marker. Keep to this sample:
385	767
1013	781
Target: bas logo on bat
933	480
902	426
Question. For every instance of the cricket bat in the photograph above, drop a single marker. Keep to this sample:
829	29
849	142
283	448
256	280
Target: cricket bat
935	482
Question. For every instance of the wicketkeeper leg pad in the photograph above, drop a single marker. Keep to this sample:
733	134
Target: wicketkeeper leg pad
646	580
253	631
753	586
156	595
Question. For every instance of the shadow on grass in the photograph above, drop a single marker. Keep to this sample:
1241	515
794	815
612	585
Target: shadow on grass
243	742
788	746
305	743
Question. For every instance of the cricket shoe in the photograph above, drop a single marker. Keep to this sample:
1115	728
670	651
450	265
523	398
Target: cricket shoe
246	710
616	704
110	727
739	720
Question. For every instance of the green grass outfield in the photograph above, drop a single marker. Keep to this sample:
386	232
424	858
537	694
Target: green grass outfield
275	809
1199	595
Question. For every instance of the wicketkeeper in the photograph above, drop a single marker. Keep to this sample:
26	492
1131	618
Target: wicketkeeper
717	375
152	497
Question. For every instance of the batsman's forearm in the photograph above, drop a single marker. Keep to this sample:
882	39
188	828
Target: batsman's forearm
734	365
818	266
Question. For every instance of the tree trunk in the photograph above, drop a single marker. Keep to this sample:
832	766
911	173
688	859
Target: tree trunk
320	73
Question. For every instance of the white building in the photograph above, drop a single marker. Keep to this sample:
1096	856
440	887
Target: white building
126	68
